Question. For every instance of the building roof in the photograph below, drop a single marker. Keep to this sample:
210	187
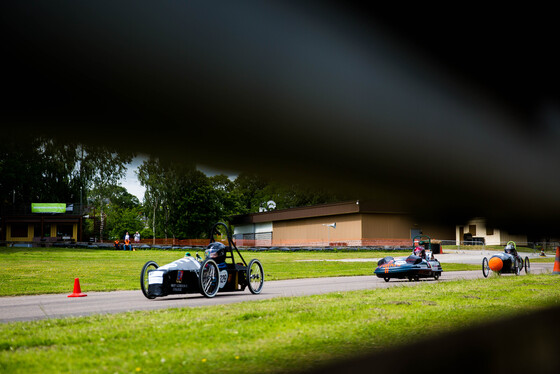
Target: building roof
37	218
346	207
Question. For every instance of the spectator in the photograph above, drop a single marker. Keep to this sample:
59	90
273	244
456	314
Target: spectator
137	237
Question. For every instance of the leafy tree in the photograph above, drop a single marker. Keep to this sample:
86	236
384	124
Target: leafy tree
152	175
250	189
254	191
228	197
120	209
181	200
41	169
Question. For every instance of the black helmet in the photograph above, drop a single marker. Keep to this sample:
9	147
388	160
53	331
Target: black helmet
509	248
216	251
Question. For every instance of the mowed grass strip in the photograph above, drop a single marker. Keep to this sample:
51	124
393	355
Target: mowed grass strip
277	335
29	271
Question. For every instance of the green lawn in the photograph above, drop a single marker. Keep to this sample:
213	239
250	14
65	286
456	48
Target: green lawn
27	271
277	335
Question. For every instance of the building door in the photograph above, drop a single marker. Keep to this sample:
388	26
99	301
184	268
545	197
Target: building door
415	232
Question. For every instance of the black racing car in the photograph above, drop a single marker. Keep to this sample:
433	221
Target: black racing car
218	271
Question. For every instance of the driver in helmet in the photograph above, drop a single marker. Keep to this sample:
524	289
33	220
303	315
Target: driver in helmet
216	251
420	251
510	248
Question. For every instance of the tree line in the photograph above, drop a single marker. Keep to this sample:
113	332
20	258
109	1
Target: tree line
180	200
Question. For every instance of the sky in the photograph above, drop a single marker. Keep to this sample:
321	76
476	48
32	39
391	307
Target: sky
132	184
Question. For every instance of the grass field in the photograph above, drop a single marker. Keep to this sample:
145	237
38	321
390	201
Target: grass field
268	336
28	271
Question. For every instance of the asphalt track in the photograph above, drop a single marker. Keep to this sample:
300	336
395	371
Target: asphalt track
27	308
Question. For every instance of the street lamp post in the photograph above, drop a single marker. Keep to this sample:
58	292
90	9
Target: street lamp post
333	225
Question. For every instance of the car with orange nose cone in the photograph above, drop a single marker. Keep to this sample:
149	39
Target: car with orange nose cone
507	262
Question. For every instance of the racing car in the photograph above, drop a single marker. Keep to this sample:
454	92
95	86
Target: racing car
506	262
420	264
218	271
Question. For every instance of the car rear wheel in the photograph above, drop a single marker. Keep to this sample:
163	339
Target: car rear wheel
436	276
527	265
148	266
209	278
485	267
516	266
255	276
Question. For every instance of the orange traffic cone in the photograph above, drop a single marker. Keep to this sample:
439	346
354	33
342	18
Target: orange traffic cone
556	269
77	289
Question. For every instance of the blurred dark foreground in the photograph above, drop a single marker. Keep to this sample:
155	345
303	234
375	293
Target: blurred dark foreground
524	344
447	113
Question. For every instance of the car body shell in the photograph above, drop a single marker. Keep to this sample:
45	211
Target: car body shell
181	277
411	267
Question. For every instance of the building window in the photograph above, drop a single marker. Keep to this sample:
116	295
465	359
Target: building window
489	231
64	231
19	230
472	230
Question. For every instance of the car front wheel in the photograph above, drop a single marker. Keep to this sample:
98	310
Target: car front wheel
144	282
209	278
485	267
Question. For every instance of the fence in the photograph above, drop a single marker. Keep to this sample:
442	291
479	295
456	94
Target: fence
176	242
549	246
323	243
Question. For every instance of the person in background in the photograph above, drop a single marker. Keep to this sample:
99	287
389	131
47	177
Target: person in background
137	237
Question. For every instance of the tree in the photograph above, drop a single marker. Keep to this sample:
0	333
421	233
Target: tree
41	169
254	192
120	209
250	189
181	199
152	175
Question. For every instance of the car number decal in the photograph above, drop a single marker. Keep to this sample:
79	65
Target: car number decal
223	278
155	277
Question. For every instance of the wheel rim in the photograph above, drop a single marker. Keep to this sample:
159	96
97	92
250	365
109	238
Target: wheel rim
255	276
209	281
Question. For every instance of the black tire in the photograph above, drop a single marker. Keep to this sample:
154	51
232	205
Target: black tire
255	276
485	267
515	266
209	278
386	279
527	265
520	263
436	276
148	266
